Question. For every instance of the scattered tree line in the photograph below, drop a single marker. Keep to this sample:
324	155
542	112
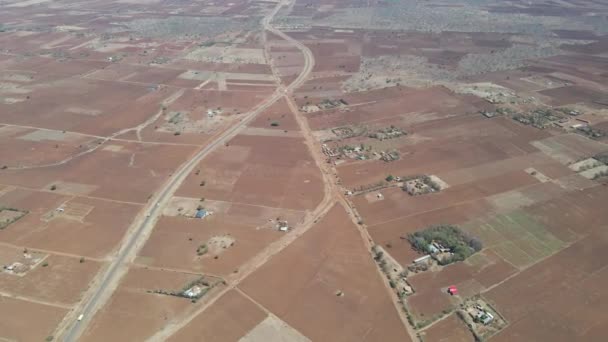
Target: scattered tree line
6	222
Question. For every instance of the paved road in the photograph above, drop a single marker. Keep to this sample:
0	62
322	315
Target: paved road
277	246
144	226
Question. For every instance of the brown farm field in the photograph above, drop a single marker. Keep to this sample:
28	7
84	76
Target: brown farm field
245	172
574	313
86	226
21	311
448	330
336	261
120	323
229	319
175	241
61	281
123	162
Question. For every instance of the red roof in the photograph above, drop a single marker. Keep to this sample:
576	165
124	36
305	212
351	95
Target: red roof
452	290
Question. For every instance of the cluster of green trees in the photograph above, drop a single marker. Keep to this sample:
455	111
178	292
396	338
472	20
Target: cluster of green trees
461	244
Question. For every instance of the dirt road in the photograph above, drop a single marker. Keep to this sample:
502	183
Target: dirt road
333	194
143	225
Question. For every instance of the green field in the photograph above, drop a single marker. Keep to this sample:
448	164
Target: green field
516	237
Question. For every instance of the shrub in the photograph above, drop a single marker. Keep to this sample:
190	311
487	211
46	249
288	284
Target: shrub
389	178
602	157
202	250
600	174
379	255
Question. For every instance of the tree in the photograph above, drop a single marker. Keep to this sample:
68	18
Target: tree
476	244
419	243
390	178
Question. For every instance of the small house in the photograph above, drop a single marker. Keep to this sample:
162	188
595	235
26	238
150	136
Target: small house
193	292
201	213
283	226
484	317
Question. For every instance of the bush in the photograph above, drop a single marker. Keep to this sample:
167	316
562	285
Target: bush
389	178
202	250
600	174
